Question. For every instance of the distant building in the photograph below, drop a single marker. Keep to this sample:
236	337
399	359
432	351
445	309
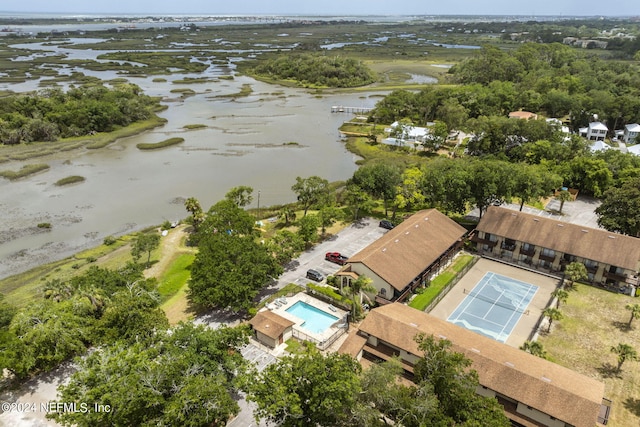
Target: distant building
631	132
596	131
596	146
524	115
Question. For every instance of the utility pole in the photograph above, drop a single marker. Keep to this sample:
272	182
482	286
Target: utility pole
258	204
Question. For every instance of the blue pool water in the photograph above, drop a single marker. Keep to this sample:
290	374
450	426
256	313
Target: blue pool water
494	306
315	320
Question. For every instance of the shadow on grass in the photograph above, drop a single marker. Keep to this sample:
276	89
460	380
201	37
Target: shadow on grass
632	405
607	370
621	326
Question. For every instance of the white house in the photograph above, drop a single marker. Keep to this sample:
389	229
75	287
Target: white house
634	149
631	132
409	137
596	131
599	145
563	128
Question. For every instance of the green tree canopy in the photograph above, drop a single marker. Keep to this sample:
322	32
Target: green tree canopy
455	385
185	377
241	196
145	243
307	390
317	70
311	191
380	180
229	270
620	209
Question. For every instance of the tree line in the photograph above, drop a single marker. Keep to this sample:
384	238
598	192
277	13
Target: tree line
551	78
51	113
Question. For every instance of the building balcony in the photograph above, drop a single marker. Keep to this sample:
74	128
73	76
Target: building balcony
482	241
385	352
592	269
549	258
622	278
528	252
508	247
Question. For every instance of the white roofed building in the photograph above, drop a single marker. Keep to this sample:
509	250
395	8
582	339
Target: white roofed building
631	133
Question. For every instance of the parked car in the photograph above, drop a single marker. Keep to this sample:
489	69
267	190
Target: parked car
336	257
315	275
386	224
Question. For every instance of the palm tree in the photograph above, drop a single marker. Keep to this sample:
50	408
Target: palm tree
552	314
357	287
575	271
192	205
288	214
563	196
635	312
560	295
625	352
534	348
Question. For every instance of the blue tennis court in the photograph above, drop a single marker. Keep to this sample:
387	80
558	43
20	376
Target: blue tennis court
494	306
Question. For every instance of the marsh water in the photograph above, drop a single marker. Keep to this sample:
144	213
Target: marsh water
264	140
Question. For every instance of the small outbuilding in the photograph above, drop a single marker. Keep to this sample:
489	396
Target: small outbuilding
271	329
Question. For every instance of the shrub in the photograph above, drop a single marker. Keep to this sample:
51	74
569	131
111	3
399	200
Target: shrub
109	240
44	225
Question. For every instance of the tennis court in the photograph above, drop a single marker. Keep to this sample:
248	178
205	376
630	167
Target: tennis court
494	306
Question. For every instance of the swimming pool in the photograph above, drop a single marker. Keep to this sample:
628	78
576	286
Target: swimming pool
315	320
494	306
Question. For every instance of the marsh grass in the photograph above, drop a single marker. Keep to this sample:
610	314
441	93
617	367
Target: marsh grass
245	90
70	180
157	145
24	171
194	126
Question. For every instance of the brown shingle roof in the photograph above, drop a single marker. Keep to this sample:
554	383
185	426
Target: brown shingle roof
270	324
403	253
543	385
592	243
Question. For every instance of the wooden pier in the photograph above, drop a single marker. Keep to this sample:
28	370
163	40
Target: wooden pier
351	110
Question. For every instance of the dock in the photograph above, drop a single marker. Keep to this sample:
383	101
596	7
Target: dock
352	110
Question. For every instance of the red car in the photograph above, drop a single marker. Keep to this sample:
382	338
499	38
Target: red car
336	257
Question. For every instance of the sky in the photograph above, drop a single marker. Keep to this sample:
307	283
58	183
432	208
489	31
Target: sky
327	7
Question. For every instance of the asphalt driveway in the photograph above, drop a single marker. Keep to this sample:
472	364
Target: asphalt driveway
348	242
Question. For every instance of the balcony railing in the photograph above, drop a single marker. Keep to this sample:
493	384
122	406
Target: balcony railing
549	258
529	252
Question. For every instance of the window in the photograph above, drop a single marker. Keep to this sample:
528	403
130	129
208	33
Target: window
383	292
527	247
590	263
548	252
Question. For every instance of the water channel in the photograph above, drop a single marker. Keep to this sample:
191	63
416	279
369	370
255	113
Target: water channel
245	142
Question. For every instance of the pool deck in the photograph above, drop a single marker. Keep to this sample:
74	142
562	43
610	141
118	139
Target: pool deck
326	307
526	324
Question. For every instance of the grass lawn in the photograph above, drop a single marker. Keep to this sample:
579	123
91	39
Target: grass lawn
594	321
422	300
176	276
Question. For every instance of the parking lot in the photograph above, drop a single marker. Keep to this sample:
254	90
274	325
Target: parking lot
348	242
579	211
